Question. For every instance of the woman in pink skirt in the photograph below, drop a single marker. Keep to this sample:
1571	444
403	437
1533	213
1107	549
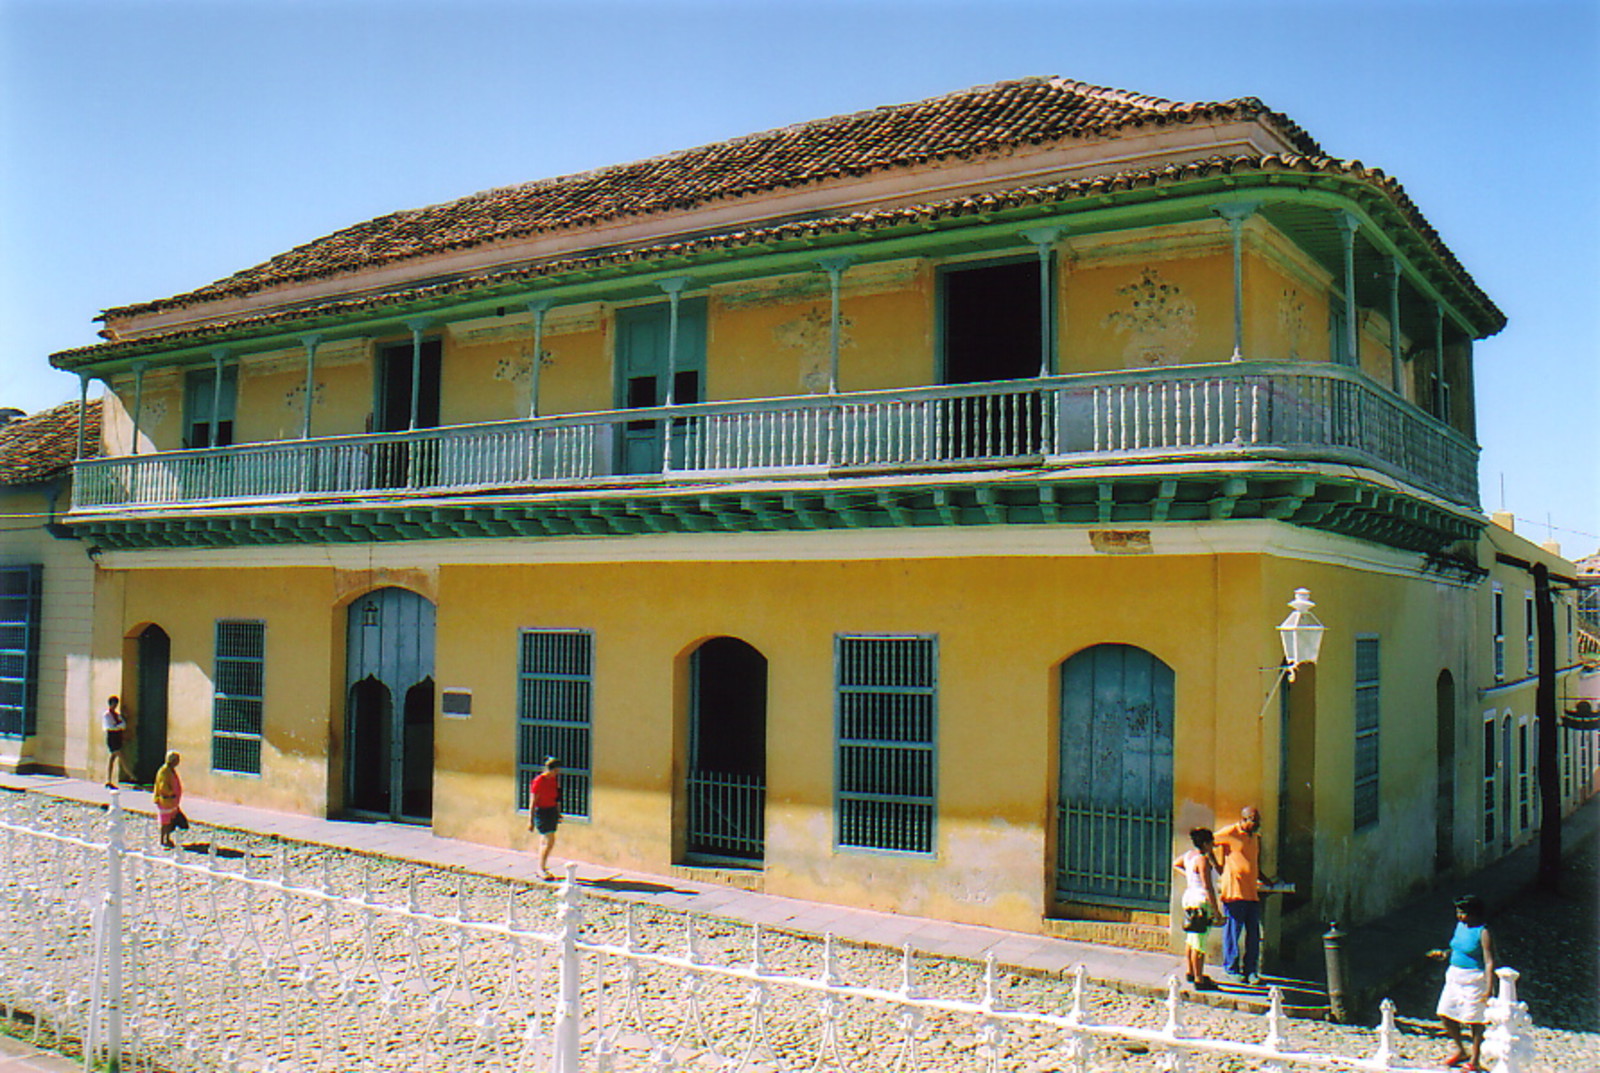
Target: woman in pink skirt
169	794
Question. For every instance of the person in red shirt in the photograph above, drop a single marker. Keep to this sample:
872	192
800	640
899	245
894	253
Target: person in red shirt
544	813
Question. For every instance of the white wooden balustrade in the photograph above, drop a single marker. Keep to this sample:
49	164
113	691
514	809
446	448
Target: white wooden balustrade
1297	412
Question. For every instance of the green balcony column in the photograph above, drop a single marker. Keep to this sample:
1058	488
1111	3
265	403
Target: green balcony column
538	308
1348	227
138	402
834	267
1043	240
417	325
1396	359
674	289
83	409
1236	213
309	341
1438	363
218	356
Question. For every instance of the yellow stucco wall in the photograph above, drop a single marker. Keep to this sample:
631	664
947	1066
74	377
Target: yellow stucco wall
1004	626
1132	309
296	606
772	338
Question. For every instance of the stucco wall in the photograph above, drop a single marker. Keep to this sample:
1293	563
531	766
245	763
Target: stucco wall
1004	626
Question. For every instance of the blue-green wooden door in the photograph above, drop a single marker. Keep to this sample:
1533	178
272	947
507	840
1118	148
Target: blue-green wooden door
389	642
1114	833
643	333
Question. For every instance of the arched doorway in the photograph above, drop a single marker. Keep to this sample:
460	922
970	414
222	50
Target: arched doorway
389	745
150	705
1444	811
725	785
1114	830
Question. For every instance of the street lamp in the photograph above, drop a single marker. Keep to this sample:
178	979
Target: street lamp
1301	632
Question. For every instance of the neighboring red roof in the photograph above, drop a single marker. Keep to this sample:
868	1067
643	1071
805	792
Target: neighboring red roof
43	447
969	123
855	222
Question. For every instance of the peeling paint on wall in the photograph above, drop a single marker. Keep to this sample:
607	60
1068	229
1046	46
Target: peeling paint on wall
1292	322
810	334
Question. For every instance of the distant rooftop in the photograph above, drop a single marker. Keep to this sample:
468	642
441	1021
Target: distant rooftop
42	447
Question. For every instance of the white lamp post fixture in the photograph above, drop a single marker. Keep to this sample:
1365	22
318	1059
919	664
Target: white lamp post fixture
1301	632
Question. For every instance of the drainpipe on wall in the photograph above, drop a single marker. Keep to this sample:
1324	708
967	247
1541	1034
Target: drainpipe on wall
138	402
1236	213
538	308
1348	226
1043	240
309	341
835	267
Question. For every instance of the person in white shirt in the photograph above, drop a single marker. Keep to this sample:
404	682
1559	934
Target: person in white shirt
1199	902
114	725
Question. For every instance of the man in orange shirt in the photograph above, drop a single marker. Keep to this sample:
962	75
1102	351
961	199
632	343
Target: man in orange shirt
1238	847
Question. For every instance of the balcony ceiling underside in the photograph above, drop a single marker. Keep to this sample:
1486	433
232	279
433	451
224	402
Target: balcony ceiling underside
1335	503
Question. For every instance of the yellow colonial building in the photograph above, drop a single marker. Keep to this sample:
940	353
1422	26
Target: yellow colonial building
893	509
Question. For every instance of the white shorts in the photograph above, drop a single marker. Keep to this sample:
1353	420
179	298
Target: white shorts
1463	998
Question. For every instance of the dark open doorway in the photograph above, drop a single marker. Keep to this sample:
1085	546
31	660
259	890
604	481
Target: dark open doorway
726	783
404	372
150	705
991	322
992	329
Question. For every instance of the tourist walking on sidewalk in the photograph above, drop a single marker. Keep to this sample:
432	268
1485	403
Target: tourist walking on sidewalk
1199	905
1468	980
115	726
169	799
1239	847
544	811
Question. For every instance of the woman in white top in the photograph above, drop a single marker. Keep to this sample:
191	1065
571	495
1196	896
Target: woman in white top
1200	908
111	720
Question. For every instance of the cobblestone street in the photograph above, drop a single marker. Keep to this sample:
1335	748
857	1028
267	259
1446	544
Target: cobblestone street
1541	932
1554	940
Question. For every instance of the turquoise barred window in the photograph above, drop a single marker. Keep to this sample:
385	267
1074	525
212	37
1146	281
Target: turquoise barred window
886	718
1368	710
239	686
20	612
555	701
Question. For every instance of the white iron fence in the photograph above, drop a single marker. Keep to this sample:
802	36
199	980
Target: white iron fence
149	960
1245	409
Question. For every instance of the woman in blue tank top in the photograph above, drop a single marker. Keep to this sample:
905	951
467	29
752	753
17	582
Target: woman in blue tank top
1468	979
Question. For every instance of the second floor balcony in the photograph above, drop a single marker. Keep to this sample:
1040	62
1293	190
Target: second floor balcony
1281	416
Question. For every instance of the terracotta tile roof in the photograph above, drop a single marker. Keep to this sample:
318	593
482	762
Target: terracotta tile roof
864	222
42	447
970	123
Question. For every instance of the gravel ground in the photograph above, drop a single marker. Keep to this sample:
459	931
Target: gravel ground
306	984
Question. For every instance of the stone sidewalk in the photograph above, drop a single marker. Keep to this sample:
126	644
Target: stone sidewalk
1379	950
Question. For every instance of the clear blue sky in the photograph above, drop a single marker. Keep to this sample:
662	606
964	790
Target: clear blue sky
150	147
